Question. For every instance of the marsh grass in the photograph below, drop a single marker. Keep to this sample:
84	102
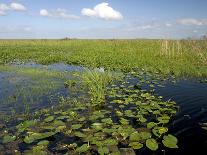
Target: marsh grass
26	89
179	57
97	81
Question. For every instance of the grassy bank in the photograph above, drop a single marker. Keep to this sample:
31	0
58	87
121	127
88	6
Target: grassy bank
185	58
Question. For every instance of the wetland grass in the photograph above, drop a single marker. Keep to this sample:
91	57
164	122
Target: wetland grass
114	113
179	57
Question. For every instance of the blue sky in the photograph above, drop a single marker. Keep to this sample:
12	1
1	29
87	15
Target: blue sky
102	19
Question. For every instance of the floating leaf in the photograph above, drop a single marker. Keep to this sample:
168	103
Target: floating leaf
83	148
124	121
49	119
79	134
110	142
158	131
145	135
150	125
163	119
58	123
43	142
7	139
107	121
36	136
136	145
24	125
109	130
152	144
76	126
103	150
170	141
97	126
135	136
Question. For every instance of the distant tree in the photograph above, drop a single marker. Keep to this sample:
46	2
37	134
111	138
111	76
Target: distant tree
204	37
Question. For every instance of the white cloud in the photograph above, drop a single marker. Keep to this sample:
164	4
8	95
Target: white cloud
192	21
103	11
17	7
44	12
4	8
58	13
168	24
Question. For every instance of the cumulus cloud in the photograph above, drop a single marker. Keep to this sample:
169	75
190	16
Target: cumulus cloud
17	7
44	12
4	8
103	11
192	21
58	13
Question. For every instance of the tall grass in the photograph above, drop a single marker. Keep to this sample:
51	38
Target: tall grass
96	82
179	57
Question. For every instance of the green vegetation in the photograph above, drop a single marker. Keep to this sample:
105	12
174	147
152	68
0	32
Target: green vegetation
183	58
28	87
125	116
111	106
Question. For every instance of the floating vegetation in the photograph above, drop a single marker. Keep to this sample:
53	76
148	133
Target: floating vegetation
118	116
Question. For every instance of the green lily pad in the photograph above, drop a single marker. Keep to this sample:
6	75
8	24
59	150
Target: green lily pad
110	142
163	119
103	150
58	123
135	136
170	141
124	121
150	125
136	145
107	121
97	126
49	119
83	148
24	125
36	136
43	143
145	135
76	126
158	131
152	144
7	139
80	134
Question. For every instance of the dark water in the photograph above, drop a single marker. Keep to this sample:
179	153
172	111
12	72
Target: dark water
191	97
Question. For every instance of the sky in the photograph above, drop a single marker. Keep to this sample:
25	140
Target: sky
96	19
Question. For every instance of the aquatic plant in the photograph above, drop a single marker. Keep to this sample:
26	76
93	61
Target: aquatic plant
130	118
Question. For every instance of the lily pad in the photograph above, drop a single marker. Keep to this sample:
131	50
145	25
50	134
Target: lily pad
76	126
136	145
83	148
49	119
170	141
152	144
103	150
7	139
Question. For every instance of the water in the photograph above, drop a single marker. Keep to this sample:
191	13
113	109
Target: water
33	86
190	96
